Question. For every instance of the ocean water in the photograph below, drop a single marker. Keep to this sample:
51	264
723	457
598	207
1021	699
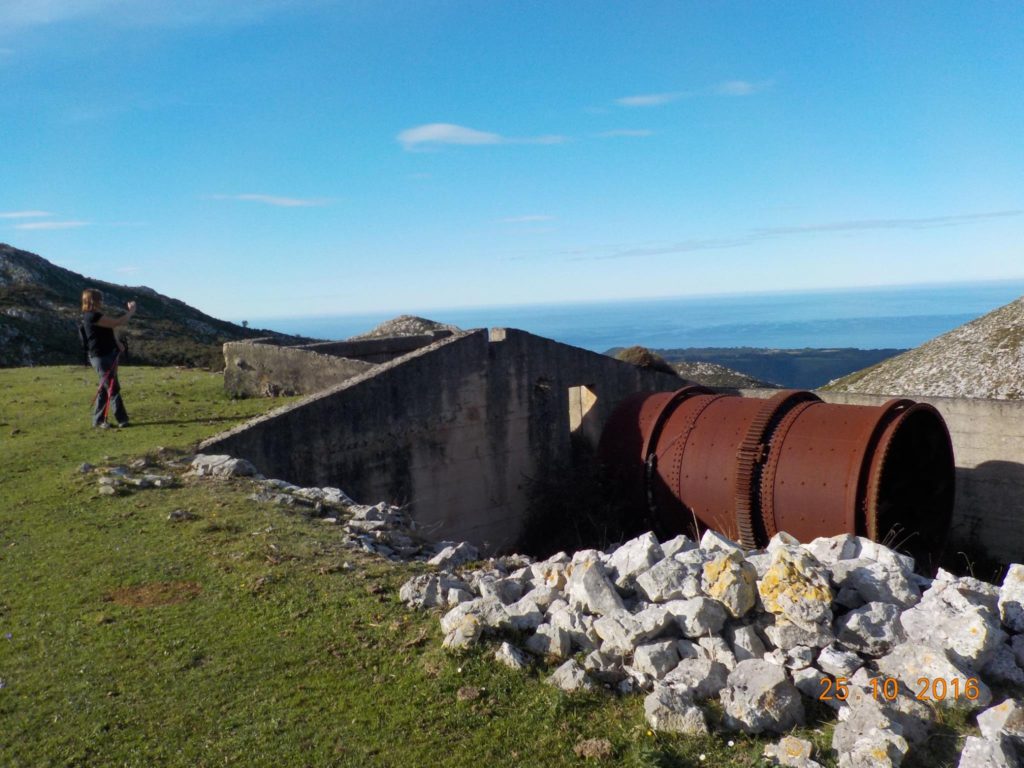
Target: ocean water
866	318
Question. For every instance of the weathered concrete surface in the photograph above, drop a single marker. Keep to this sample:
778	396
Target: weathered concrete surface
265	368
456	429
268	370
988	443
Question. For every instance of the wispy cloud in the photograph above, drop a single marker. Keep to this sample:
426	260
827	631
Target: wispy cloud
625	132
650	99
751	236
52	225
527	218
24	214
281	202
740	88
435	134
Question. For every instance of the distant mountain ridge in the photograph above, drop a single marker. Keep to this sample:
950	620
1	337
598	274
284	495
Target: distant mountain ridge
800	368
981	359
40	309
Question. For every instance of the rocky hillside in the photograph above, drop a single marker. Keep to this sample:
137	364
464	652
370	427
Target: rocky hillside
983	358
39	313
714	375
405	325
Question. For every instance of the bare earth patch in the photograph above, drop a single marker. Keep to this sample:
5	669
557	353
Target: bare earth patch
155	594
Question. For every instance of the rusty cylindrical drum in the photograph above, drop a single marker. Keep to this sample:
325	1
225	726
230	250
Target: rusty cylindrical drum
750	467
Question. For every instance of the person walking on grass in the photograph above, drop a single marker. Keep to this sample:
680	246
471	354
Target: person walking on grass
104	349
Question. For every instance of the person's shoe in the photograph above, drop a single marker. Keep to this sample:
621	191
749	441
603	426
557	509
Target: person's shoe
122	425
102	425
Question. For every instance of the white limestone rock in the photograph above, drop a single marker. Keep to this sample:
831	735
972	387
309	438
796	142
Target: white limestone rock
712	541
463	634
791	752
761	561
837	662
505	590
423	591
877	748
677	545
911	662
950	618
511	657
604	667
656	659
458	595
872	629
974	590
809	682
700	679
876	582
716	649
206	465
745	642
796	588
985	753
760	697
674	578
668	711
549	640
1011	599
698	616
633	558
524	615
1004	719
621	632
453	556
785	635
570	677
551	573
542	596
589	589
731	580
688	649
578	626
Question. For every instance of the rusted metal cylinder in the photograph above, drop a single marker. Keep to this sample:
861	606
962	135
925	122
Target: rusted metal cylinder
748	467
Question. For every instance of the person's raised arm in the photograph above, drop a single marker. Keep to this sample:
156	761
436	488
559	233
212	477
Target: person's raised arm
116	322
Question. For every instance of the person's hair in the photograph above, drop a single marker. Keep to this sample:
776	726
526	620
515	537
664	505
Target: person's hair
92	298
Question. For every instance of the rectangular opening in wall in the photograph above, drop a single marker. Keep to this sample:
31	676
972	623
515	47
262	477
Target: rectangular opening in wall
582	421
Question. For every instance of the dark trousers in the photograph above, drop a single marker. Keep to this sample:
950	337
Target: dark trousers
110	388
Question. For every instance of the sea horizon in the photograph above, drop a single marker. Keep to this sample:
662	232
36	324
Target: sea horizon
868	317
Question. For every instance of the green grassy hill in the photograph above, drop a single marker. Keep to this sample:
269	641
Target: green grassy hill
39	312
249	636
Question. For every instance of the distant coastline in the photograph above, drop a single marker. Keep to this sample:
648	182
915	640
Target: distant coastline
898	317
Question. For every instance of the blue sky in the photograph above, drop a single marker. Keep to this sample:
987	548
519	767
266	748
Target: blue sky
300	157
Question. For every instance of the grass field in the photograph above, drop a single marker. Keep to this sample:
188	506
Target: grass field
249	636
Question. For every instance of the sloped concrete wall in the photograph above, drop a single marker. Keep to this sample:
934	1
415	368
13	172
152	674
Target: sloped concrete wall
268	370
457	430
988	447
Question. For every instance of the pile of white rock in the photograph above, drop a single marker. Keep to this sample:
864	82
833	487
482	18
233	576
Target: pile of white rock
842	620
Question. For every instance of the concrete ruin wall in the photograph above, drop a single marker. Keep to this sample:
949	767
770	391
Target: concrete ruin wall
988	447
457	429
267	370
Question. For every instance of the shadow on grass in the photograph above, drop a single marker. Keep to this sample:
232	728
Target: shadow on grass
182	422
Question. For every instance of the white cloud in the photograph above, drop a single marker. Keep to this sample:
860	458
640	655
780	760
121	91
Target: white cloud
650	99
281	202
740	88
635	132
523	219
433	134
24	214
52	225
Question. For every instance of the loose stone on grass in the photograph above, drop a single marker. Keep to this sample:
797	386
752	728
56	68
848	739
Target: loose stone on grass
511	656
985	753
791	752
669	711
760	697
570	677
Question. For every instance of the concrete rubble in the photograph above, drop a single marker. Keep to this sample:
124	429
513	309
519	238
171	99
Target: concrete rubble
843	620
